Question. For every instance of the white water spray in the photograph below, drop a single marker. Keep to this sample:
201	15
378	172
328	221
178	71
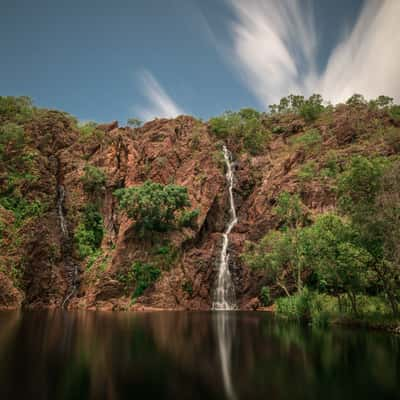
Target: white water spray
224	298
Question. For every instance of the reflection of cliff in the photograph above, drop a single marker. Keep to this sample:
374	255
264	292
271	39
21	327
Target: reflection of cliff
189	355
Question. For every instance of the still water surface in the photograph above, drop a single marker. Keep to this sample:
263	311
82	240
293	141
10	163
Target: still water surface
182	355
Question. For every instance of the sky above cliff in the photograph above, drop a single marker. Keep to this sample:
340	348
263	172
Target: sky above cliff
104	60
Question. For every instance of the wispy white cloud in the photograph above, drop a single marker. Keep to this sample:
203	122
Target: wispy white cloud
160	104
274	47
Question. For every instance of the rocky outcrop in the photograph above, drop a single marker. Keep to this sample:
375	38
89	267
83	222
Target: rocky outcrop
180	151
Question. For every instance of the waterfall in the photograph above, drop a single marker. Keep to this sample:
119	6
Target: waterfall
60	210
224	298
71	267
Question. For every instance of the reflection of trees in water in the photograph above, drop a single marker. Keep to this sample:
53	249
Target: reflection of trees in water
190	355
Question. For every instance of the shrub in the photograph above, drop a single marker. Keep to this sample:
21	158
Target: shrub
87	129
145	275
357	100
12	140
309	141
394	113
153	206
297	306
245	126
307	172
15	109
93	179
311	108
265	296
89	233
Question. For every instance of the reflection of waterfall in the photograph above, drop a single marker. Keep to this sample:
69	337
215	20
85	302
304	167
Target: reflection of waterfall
71	267
224	298
224	323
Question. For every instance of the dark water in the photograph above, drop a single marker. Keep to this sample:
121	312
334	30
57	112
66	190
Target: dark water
60	355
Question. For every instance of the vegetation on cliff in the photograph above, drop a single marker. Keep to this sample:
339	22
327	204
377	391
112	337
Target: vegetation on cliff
317	192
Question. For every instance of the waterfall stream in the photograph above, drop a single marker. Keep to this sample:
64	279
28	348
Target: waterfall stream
224	298
71	266
60	210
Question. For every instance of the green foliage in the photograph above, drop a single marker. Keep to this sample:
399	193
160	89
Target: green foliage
334	252
89	233
312	108
359	185
394	113
297	306
187	219
382	103
87	129
331	167
309	108
308	171
310	141
245	127
12	140
155	207
144	275
22	207
134	122
357	100
289	209
93	179
265	296
15	109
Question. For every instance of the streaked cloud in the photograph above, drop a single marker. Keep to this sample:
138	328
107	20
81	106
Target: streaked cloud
160	105
274	47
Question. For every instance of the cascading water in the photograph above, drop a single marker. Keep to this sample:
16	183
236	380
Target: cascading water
224	298
60	210
72	268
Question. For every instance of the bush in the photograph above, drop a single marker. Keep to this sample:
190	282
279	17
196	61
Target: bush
12	140
307	172
154	206
93	179
394	113
15	109
311	108
89	233
145	275
245	127
309	141
297	306
265	296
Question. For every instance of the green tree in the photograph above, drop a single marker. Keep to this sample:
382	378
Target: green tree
89	233
334	252
154	206
245	127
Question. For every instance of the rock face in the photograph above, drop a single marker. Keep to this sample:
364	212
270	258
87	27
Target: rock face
180	151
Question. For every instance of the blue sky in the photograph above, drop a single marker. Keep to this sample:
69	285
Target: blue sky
104	60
